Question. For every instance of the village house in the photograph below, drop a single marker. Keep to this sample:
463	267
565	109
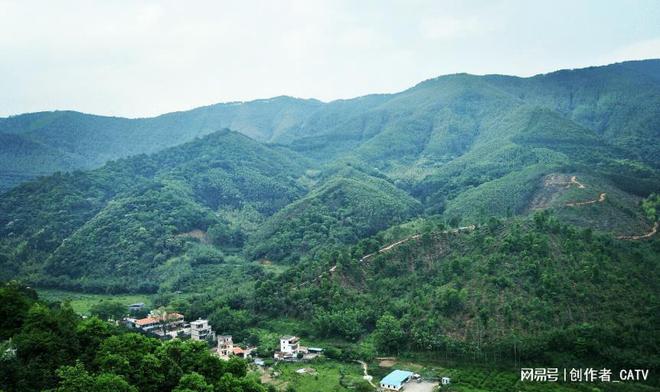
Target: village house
289	344
225	346
239	352
171	325
201	330
290	348
227	349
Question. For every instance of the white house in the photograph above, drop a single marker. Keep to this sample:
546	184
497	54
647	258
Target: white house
201	330
290	348
289	344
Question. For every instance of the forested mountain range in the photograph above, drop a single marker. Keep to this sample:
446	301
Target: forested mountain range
471	215
310	176
425	126
42	143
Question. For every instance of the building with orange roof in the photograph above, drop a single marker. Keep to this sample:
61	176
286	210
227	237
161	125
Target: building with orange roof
171	324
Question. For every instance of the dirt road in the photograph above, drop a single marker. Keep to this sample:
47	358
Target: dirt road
414	237
653	231
576	182
600	199
387	248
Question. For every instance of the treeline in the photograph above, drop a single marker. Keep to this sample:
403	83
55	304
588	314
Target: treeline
46	346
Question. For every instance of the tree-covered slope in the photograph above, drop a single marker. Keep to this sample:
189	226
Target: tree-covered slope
471	146
440	118
112	226
322	176
620	102
343	208
24	159
137	223
532	289
500	173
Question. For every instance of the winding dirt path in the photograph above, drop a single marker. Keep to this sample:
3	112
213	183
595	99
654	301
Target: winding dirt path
413	237
600	199
385	249
366	376
651	233
576	182
388	247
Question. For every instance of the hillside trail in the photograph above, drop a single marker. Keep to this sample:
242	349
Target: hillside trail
574	181
653	231
413	237
601	198
388	248
366	373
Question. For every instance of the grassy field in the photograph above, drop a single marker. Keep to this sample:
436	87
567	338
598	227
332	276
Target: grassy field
81	302
323	375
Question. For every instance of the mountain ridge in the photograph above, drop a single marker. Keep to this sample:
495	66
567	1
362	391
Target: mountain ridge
323	131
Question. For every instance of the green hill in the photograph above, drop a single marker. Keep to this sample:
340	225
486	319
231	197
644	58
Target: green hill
135	223
91	140
112	226
342	209
475	218
532	289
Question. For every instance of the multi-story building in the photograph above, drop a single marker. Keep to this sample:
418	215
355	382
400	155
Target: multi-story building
155	322
289	344
225	346
290	348
201	330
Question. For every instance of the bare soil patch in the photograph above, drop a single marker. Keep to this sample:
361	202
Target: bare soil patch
197	234
386	362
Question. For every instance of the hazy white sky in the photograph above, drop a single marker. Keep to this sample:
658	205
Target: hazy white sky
141	58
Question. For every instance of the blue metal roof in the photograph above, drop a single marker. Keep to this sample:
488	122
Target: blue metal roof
396	378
